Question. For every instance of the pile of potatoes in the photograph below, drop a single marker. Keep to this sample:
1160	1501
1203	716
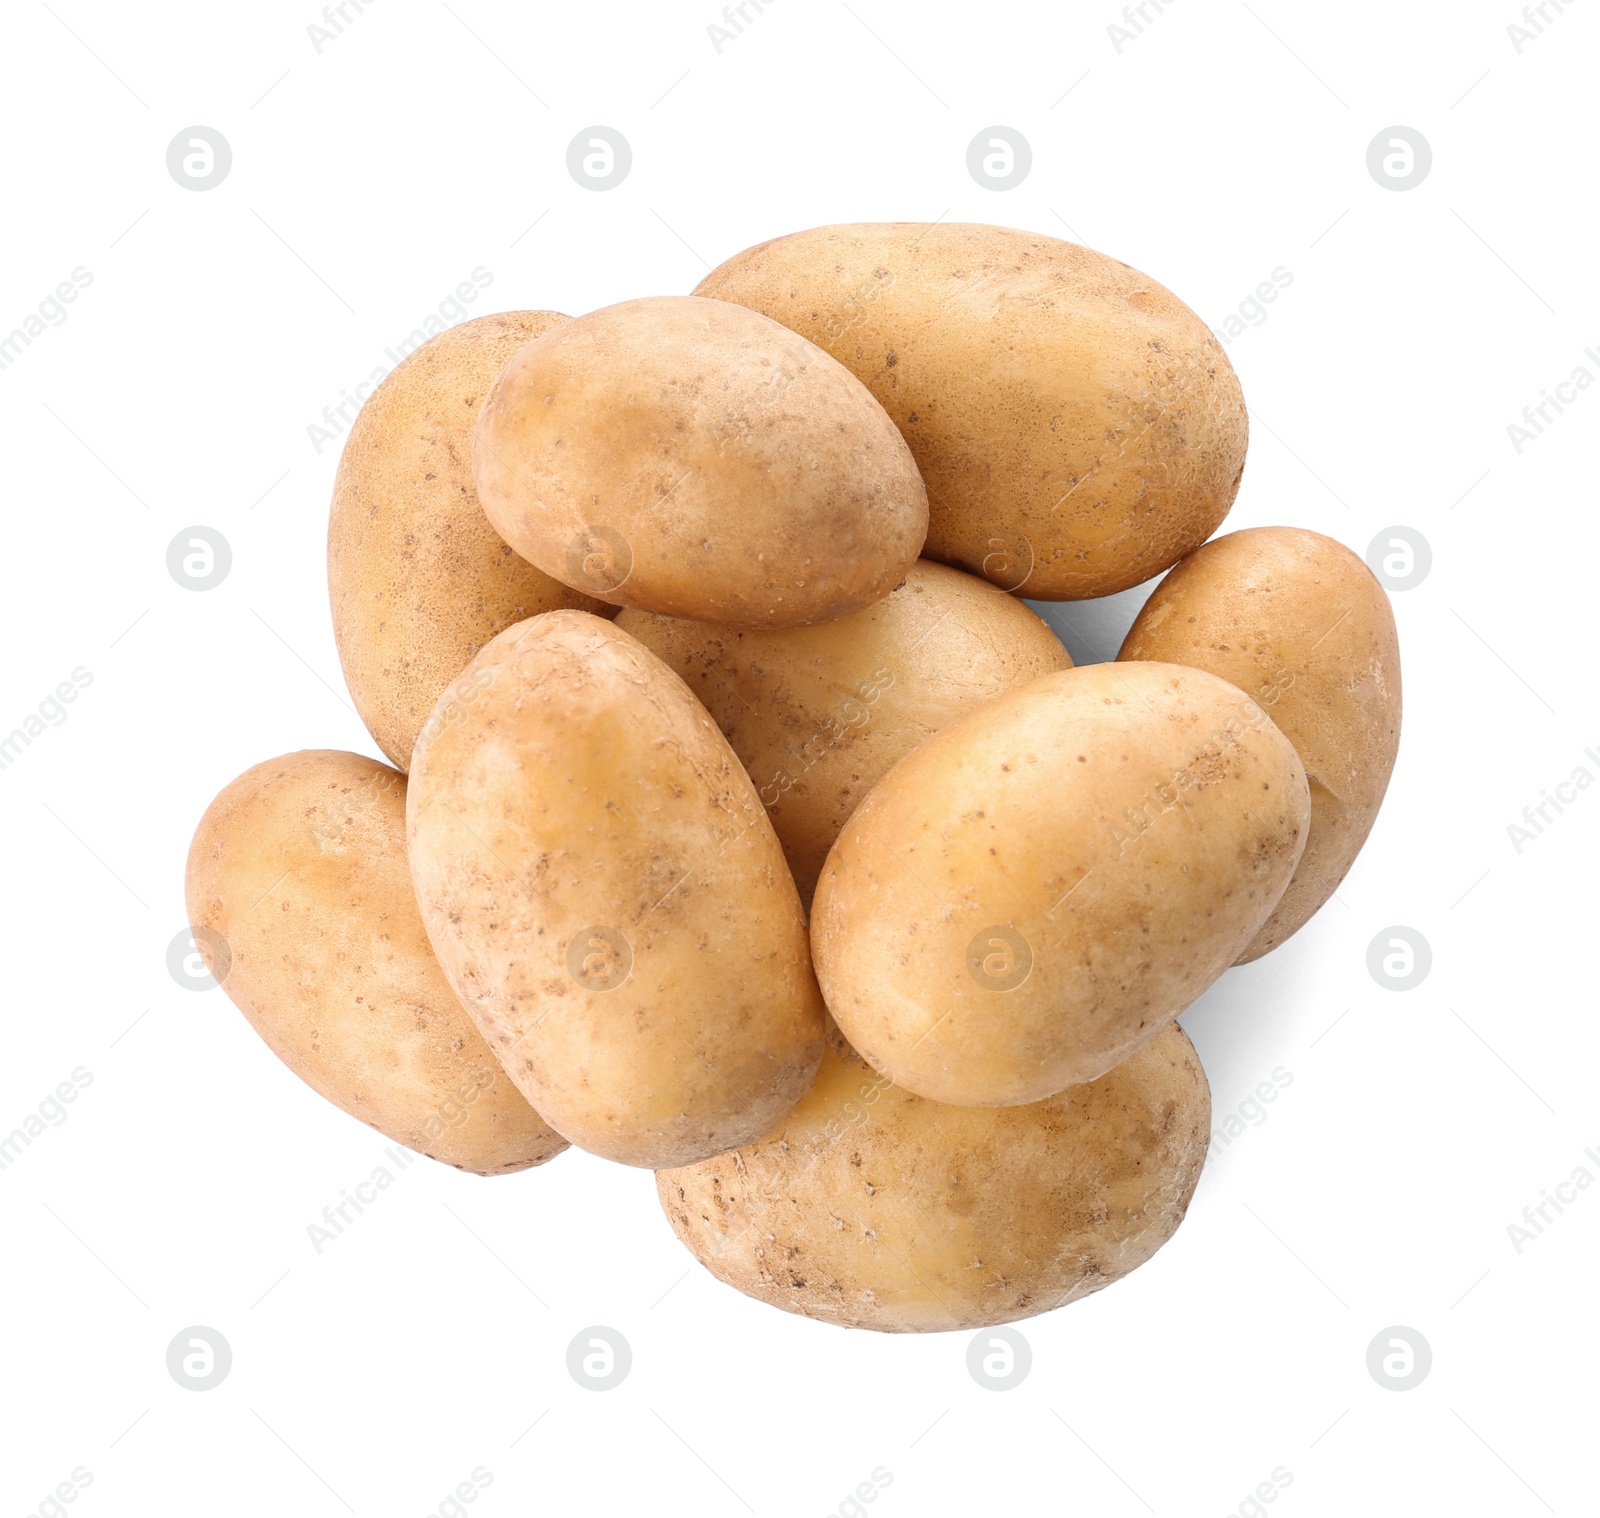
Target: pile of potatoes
741	819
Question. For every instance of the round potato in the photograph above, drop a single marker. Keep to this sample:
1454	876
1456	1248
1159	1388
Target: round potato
819	715
695	458
872	1208
608	899
1042	887
1078	427
1297	621
302	908
418	579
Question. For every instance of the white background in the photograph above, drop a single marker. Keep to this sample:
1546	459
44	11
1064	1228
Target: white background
368	180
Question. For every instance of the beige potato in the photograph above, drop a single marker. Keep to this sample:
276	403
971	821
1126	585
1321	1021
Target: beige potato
694	458
301	904
608	898
418	579
1297	621
872	1208
818	715
1042	887
1078	427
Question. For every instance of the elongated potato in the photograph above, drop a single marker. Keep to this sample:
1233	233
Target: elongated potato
418	579
819	715
1297	621
873	1208
302	906
1042	887
695	458
1078	427
608	898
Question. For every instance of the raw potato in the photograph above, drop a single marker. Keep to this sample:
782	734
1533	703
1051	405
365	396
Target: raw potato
694	458
818	715
1297	621
299	867
608	898
418	579
872	1208
1078	427
1043	886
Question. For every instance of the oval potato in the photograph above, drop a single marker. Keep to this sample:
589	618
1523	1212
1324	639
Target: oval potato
1078	427
872	1208
695	458
608	899
1042	887
818	715
298	869
1297	621
418	579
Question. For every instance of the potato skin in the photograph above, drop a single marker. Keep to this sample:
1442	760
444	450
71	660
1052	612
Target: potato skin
608	899
418	579
872	1208
694	458
1297	621
1078	427
819	715
299	865
1040	888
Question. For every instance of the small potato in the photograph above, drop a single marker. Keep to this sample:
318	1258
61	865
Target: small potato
819	715
1078	427
418	579
298	891
695	458
1297	621
1042	887
872	1208
607	897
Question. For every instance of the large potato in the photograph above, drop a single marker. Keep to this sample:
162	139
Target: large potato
418	578
692	457
1040	888
873	1208
1297	621
819	715
302	906
1078	427
607	897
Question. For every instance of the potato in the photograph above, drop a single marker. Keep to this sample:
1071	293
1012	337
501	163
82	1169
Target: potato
1042	887
1078	427
608	898
694	458
819	715
1297	621
418	579
297	884
872	1208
